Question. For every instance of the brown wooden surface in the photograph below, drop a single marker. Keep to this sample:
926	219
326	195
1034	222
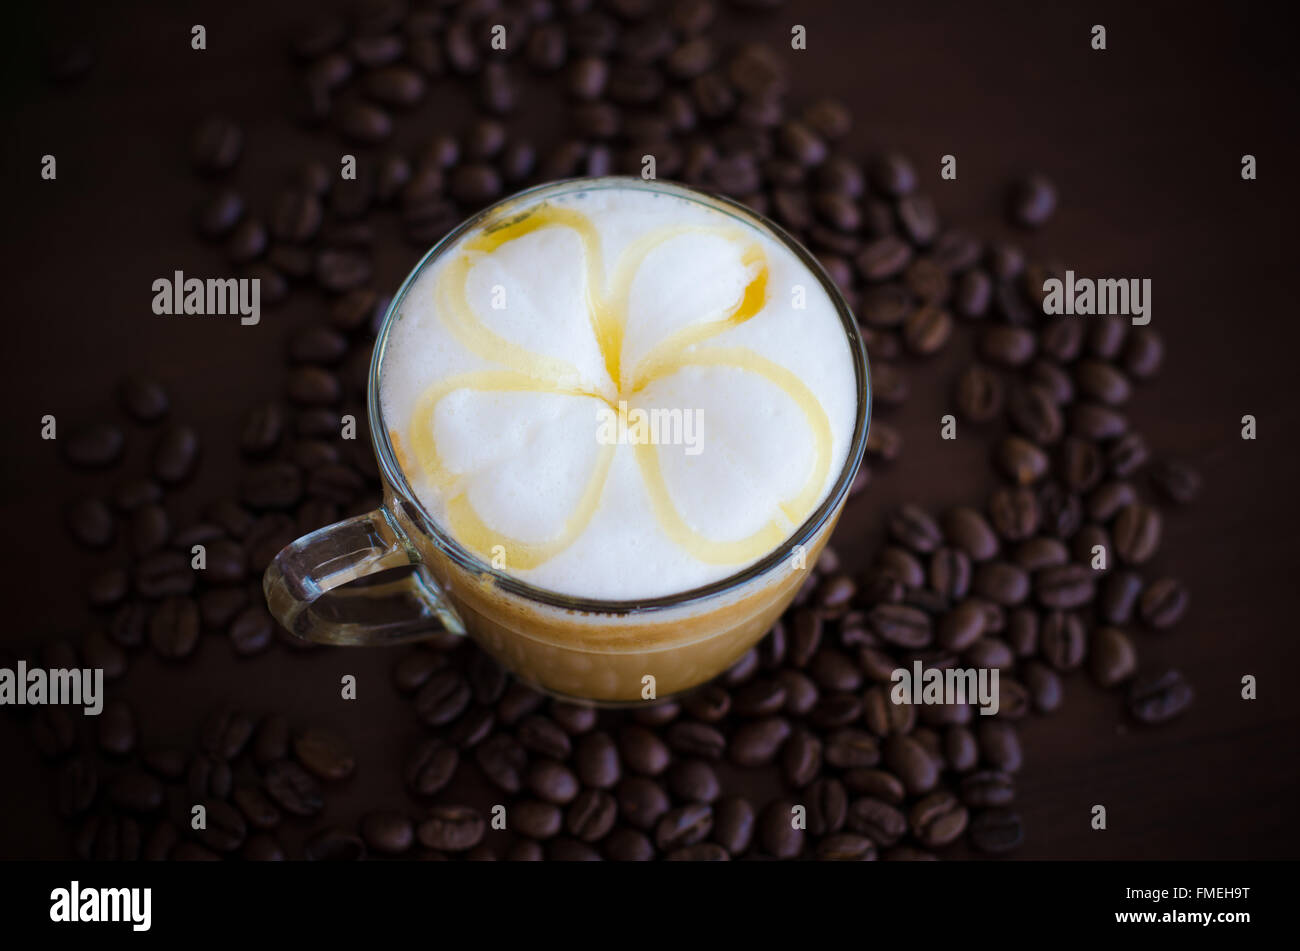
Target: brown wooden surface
1144	141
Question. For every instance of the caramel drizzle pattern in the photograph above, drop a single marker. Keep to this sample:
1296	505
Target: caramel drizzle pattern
527	371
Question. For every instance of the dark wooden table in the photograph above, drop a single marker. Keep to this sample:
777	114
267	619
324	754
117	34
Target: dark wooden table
1144	141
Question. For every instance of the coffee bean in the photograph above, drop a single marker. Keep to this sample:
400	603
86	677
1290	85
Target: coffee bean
1064	587
901	625
851	749
938	819
174	628
1034	412
216	145
537	820
961	627
175	454
1062	640
1143	353
591	816
1159	697
78	784
552	781
685	825
443	698
1020	460
877	820
433	763
920	220
1111	656
883	258
1175	481
362	122
979	394
451	828
1032	201
1007	346
95	447
996	830
1137	533
1014	513
911	763
1163	603
1001	582
927	329
325	754
757	743
695	739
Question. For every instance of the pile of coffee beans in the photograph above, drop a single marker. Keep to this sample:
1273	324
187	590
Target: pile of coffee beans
1044	578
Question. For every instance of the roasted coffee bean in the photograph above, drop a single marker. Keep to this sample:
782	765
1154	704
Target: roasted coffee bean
628	845
884	306
757	743
832	670
1127	454
961	627
415	668
999	745
911	762
990	652
1111	656
451	828
1062	640
979	394
884	442
641	801
337	270
915	528
1096	422
851	749
537	820
901	564
996	830
226	732
362	122
846	847
1176	481
938	820
443	698
777	833
1020	460
325	754
108	588
271	741
926	330
877	820
800	692
293	789
696	739
95	447
543	736
150	529
225	828
1031	201
759	699
1007	346
389	832
591	816
91	522
884	258
174	628
247	242
596	760
685	825
216	145
1034	412
1163	603
642	751
968	530
175	454
256	806
1064	586
1001	582
1041	552
251	630
1159	697
901	625
1137	533
433	763
1014	513
988	788
1109	498
920	220
1090	541
1143	353
144	399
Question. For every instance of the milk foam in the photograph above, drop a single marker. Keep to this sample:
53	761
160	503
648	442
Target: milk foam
495	406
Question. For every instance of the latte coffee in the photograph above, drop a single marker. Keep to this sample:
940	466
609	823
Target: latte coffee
625	394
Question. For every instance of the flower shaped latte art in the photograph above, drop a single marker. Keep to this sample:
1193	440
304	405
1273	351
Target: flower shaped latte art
517	369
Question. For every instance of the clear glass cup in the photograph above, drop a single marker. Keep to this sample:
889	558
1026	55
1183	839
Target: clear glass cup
577	648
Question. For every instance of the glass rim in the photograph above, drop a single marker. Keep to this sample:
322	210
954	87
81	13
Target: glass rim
396	479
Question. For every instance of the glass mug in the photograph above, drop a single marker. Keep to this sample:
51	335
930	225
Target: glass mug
573	647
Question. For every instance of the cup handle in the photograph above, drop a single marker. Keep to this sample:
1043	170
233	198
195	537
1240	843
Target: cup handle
407	609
